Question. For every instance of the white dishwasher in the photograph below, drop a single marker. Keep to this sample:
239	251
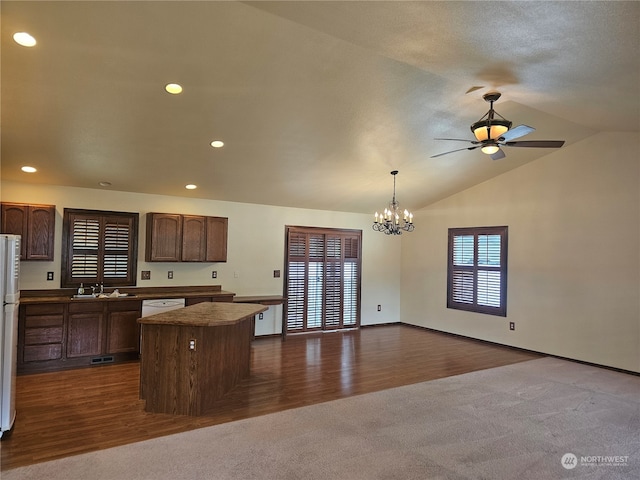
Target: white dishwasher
159	305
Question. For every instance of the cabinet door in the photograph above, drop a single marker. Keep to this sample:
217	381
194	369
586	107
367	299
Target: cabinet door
193	238
36	225
123	331
84	335
216	239
14	222
41	228
164	237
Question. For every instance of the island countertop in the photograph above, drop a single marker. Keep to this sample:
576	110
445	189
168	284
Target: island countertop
206	314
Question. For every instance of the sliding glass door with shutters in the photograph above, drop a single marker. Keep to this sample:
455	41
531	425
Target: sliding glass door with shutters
322	283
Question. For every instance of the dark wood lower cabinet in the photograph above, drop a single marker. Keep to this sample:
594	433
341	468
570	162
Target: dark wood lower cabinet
85	327
42	328
59	336
123	330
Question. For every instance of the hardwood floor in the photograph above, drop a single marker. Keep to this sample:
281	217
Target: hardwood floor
67	413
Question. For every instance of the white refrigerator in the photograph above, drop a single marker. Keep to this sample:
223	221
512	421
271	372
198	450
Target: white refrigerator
10	294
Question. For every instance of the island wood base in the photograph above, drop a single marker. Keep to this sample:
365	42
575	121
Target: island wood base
193	356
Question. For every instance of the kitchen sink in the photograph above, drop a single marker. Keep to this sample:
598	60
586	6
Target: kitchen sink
103	296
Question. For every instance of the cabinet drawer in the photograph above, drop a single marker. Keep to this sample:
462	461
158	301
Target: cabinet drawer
194	300
37	321
36	353
34	336
222	298
86	307
44	309
125	306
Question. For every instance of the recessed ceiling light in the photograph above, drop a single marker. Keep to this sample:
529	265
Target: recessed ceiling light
173	88
24	39
28	169
217	144
191	186
105	184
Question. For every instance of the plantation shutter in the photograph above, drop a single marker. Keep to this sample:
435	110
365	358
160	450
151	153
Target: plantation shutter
296	281
117	247
351	281
323	281
86	243
477	269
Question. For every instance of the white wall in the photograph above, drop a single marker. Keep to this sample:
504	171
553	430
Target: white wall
574	254
255	246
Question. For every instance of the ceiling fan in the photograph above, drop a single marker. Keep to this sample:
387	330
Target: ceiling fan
493	131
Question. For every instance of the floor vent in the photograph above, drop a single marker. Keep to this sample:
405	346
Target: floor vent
100	360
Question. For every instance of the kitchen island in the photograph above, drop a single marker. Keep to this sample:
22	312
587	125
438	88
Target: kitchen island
191	357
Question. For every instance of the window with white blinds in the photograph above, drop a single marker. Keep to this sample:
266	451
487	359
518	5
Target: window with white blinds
99	247
322	279
477	270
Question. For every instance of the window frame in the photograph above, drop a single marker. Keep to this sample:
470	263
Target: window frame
101	216
475	268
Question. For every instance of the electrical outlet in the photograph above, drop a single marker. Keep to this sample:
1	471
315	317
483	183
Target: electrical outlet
260	315
145	275
379	308
214	274
236	275
512	325
192	344
49	276
170	274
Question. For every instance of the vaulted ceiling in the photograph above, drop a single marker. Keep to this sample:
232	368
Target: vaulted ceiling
316	101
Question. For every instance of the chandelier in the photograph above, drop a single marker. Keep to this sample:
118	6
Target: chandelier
393	221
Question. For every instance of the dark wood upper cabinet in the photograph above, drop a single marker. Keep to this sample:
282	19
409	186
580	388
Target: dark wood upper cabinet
36	225
185	238
216	239
194	238
164	237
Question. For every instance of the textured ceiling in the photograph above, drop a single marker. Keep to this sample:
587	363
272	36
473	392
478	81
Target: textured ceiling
316	101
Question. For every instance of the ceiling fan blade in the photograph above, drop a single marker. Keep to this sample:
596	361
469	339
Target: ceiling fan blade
458	140
458	150
498	155
516	132
537	143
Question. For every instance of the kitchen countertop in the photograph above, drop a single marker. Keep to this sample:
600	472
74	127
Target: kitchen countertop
206	314
147	293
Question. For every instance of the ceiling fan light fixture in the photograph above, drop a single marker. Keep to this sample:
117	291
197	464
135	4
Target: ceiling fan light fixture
24	39
490	149
490	129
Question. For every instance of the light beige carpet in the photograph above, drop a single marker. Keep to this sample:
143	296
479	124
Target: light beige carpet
541	419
